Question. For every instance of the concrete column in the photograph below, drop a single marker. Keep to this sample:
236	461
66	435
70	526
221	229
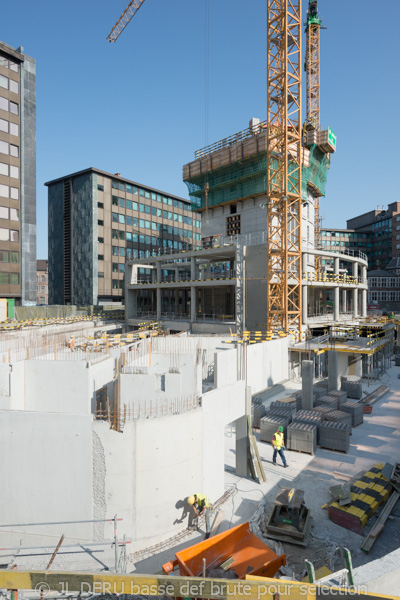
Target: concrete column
363	303
158	271
355	269
193	308
355	303
307	379
131	304
336	266
305	304
336	300
158	304
193	268
344	300
304	265
364	274
242	438
333	371
176	301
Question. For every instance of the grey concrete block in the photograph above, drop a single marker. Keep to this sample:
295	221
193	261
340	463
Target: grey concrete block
258	411
340	395
334	436
338	416
302	437
355	410
323	410
269	425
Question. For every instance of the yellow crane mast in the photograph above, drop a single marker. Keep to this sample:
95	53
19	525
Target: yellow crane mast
284	179
313	116
124	19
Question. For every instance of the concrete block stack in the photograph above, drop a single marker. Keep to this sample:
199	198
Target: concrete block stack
334	436
299	401
319	391
328	401
341	397
352	385
338	416
355	409
302	437
323	410
289	402
289	408
258	413
278	412
270	424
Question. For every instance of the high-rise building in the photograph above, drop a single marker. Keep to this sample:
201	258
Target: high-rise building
17	175
97	221
42	277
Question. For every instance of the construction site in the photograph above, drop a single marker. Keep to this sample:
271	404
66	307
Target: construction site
140	447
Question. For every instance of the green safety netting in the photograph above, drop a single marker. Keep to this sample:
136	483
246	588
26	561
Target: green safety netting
248	178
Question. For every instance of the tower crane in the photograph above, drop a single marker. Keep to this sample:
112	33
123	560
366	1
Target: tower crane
284	158
313	117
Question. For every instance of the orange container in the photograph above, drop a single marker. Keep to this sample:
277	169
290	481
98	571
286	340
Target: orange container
248	553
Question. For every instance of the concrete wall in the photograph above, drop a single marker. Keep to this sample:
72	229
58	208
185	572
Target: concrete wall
345	369
44	476
225	367
267	364
380	576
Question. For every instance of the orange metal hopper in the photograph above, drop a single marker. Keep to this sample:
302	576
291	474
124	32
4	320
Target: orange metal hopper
249	555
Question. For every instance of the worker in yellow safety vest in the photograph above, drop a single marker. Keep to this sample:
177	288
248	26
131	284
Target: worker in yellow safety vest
278	442
201	505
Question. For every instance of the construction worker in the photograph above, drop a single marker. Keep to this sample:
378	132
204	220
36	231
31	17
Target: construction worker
201	504
278	442
72	344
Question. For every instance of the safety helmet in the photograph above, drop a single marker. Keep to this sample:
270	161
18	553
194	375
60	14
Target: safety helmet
281	428
191	500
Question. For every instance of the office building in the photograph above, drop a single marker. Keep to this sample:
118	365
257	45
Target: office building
97	221
17	175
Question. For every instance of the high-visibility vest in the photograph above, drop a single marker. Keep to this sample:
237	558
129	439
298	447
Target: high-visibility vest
202	501
277	440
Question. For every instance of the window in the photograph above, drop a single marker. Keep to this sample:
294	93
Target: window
121	267
147	224
114	217
4	147
141	222
13	86
129	204
100	240
121	235
121	251
14	214
3	61
134	205
14	129
141	192
115	267
4	278
147	195
3	212
100	188
4	191
100	274
14	235
14	279
121	202
100	205
115	234
3	103
115	185
14	257
115	284
115	200
115	250
154	226
121	187
14	108
14	172
4	125
121	219
14	150
42	300
14	66
4	256
4	82
42	287
100	222
14	193
100	257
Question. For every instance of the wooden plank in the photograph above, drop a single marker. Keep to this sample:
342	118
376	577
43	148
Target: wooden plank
217	522
380	524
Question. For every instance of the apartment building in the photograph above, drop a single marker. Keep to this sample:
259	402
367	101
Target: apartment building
17	175
97	221
42	276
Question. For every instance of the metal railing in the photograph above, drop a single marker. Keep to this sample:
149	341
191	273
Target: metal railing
321	277
231	140
342	250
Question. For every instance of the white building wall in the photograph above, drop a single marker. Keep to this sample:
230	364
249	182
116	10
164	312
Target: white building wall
267	364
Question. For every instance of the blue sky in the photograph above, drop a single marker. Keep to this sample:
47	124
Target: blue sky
137	107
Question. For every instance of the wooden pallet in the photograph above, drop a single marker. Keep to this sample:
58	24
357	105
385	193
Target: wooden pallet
380	524
256	466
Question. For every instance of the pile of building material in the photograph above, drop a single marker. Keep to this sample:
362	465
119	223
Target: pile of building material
258	411
355	409
323	410
308	416
338	416
270	425
280	412
340	395
352	385
328	401
302	437
334	436
367	494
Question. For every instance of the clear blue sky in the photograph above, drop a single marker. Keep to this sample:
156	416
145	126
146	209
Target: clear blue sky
137	107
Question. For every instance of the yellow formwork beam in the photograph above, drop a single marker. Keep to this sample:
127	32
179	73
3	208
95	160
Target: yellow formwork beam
253	588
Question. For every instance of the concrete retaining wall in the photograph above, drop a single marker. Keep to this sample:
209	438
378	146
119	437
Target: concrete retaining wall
380	576
267	364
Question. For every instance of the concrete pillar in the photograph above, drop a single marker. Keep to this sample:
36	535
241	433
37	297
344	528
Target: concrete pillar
344	300
363	303
193	308
355	269
242	438
336	266
158	304
131	304
307	379
158	271
176	293
355	303
336	300
304	264
364	274
305	304
192	268
333	371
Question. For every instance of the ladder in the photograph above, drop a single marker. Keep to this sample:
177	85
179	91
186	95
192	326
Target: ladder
344	577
